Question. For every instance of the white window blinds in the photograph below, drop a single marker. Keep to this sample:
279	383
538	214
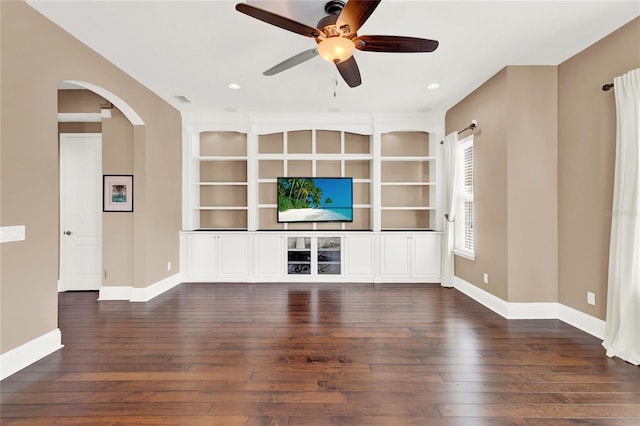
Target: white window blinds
464	221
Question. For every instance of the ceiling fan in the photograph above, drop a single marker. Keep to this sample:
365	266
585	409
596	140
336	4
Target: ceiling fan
337	37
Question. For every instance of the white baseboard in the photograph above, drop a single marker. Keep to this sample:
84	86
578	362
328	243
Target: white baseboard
134	294
115	292
587	323
533	310
573	317
147	293
492	302
16	359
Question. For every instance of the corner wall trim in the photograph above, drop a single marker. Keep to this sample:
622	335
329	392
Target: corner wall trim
135	294
16	359
78	117
573	317
12	233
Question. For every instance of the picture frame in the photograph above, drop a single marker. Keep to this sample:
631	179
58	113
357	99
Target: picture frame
117	193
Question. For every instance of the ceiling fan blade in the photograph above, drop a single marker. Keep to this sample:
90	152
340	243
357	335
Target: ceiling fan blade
355	13
292	62
277	20
397	44
349	71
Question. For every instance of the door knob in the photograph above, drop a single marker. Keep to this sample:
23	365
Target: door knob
67	232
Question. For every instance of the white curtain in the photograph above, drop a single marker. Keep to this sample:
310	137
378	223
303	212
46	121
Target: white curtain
450	186
622	334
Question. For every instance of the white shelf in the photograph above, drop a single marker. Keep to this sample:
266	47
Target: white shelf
220	183
275	180
221	158
218	229
307	156
407	183
408	158
408	230
408	208
222	208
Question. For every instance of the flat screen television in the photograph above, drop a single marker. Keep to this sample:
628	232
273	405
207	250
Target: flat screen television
320	199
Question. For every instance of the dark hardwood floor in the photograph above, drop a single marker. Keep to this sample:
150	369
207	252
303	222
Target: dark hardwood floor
316	354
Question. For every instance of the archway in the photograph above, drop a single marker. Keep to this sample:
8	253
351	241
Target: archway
115	265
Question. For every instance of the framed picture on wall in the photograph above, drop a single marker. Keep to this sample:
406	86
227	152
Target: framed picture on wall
117	193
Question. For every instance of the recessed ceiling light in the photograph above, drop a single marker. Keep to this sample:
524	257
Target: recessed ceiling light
234	86
433	86
229	109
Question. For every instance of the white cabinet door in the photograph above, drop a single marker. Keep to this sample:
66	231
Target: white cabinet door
202	256
426	257
217	257
233	256
269	257
359	257
413	257
395	256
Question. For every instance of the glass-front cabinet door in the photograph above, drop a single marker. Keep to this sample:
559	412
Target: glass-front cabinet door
329	256
314	255
299	255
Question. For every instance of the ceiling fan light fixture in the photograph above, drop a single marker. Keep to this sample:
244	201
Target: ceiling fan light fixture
336	49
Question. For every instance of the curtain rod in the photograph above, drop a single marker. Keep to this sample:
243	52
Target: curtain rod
472	126
607	87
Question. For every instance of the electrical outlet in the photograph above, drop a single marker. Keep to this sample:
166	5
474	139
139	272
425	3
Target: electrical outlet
591	298
485	278
168	266
107	274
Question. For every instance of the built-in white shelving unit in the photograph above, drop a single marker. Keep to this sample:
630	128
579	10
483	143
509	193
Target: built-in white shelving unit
313	153
231	165
408	182
219	180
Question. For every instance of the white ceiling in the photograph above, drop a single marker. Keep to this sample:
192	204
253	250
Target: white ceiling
196	48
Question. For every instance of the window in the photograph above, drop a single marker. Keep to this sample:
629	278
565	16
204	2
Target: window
464	223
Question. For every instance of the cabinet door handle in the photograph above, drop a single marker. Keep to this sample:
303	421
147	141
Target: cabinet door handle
68	232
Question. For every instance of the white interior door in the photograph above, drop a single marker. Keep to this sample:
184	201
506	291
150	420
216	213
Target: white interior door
80	211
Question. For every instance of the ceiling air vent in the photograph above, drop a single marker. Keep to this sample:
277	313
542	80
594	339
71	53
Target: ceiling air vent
182	99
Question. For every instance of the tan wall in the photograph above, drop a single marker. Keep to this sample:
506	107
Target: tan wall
515	183
29	168
488	105
532	147
586	158
117	228
519	173
79	101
